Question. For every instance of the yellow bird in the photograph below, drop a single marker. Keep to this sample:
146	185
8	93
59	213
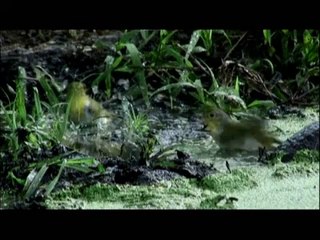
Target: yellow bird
82	107
248	134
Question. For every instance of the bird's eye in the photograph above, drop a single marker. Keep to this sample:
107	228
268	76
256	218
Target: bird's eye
211	115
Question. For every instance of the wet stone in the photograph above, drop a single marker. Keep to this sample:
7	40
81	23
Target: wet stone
307	138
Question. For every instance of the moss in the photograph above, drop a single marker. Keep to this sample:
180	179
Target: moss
294	168
292	192
74	192
306	156
292	124
304	162
237	180
213	192
180	193
218	202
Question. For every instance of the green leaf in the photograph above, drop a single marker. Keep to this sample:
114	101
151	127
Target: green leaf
20	97
199	49
261	103
193	42
200	91
18	180
83	169
228	97
206	36
170	51
267	37
53	99
172	86
279	94
270	64
134	54
127	36
116	62
236	87
108	71
225	34
140	75
189	64
101	168
38	108
81	164
147	36
54	182
124	69
144	34
215	84
35	183
78	161
165	36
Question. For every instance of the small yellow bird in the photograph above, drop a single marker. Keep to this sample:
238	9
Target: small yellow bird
248	134
82	107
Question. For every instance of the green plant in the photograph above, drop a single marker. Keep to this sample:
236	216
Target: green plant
136	123
32	128
170	63
297	53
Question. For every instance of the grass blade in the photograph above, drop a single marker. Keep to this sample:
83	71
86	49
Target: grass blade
172	86
53	99
224	34
85	161
237	88
261	103
193	42
82	164
36	182
165	36
16	179
38	109
20	98
54	182
108	78
140	75
267	37
62	126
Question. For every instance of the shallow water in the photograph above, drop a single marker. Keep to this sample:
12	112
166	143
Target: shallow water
295	191
260	190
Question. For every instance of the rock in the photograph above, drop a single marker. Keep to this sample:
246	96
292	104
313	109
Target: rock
307	138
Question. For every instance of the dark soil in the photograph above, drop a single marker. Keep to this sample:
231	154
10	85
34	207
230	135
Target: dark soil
65	55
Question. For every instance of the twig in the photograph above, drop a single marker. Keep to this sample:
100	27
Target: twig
234	46
306	93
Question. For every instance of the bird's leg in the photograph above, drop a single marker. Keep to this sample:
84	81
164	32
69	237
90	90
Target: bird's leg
228	166
262	152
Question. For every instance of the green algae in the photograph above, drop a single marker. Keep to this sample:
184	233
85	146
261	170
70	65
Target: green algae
254	187
292	123
223	183
296	191
305	162
218	202
307	155
177	194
